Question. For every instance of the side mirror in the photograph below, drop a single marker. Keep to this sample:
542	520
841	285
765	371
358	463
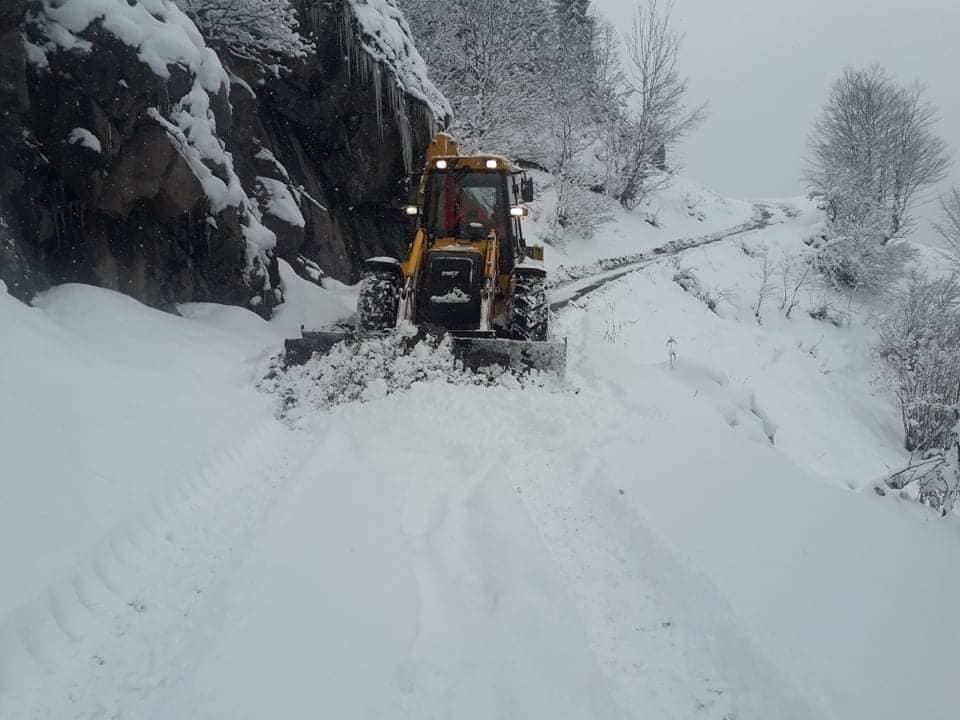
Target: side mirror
526	190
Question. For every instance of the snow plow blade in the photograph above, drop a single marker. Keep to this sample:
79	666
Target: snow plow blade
298	351
474	352
520	355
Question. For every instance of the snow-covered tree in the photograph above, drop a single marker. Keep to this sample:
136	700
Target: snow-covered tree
611	94
487	57
261	30
662	116
573	30
949	224
873	149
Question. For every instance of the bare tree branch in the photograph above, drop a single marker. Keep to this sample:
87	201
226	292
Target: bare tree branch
949	225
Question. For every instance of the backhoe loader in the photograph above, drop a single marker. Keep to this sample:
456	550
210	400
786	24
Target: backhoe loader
468	272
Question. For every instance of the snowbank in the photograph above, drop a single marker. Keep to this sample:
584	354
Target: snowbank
102	401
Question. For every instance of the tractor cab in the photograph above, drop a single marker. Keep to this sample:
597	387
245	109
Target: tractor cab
464	203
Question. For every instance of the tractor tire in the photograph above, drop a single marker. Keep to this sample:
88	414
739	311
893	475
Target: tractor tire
531	311
379	301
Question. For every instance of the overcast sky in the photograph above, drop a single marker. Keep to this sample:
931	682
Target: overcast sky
766	66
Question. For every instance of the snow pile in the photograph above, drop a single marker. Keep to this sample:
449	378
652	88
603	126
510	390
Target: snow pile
373	368
387	39
366	370
163	36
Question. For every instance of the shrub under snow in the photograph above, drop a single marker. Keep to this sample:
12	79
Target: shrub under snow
921	345
934	481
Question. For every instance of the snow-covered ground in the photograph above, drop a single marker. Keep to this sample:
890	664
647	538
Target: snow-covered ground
684	528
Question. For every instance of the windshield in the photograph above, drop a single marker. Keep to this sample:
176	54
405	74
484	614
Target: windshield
467	204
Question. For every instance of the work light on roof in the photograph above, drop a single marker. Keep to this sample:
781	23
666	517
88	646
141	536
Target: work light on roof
441	164
492	164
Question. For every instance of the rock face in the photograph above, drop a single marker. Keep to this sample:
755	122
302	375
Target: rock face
345	134
20	268
105	177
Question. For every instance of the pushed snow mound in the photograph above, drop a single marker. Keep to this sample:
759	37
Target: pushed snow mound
373	368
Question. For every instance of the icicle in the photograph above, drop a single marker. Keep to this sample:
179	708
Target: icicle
399	105
347	42
378	97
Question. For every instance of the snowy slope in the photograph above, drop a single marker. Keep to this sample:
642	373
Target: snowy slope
683	209
696	541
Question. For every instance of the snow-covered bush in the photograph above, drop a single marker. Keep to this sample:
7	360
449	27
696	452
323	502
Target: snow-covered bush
261	30
795	276
688	280
921	346
852	258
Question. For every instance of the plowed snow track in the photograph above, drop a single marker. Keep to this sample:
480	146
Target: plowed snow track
576	282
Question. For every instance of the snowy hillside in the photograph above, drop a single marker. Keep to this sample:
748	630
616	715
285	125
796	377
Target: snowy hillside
683	528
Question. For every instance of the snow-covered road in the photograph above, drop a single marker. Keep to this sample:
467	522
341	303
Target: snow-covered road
641	542
576	282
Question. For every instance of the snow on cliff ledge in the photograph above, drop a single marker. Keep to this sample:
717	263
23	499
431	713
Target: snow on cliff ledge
164	36
387	38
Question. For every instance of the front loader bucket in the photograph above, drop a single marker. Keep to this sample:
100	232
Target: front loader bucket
474	352
299	350
549	356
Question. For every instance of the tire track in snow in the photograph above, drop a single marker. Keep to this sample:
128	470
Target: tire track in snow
635	626
673	645
107	638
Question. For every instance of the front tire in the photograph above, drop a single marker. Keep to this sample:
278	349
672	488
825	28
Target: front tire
379	301
531	311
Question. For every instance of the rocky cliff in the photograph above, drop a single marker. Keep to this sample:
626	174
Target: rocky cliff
134	157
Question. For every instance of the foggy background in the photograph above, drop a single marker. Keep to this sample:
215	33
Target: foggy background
766	66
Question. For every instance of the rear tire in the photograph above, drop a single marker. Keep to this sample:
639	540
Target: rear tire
379	301
531	311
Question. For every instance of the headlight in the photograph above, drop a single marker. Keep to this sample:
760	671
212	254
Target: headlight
411	210
519	211
441	164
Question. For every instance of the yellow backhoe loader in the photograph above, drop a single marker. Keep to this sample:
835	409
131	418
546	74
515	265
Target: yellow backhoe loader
468	272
